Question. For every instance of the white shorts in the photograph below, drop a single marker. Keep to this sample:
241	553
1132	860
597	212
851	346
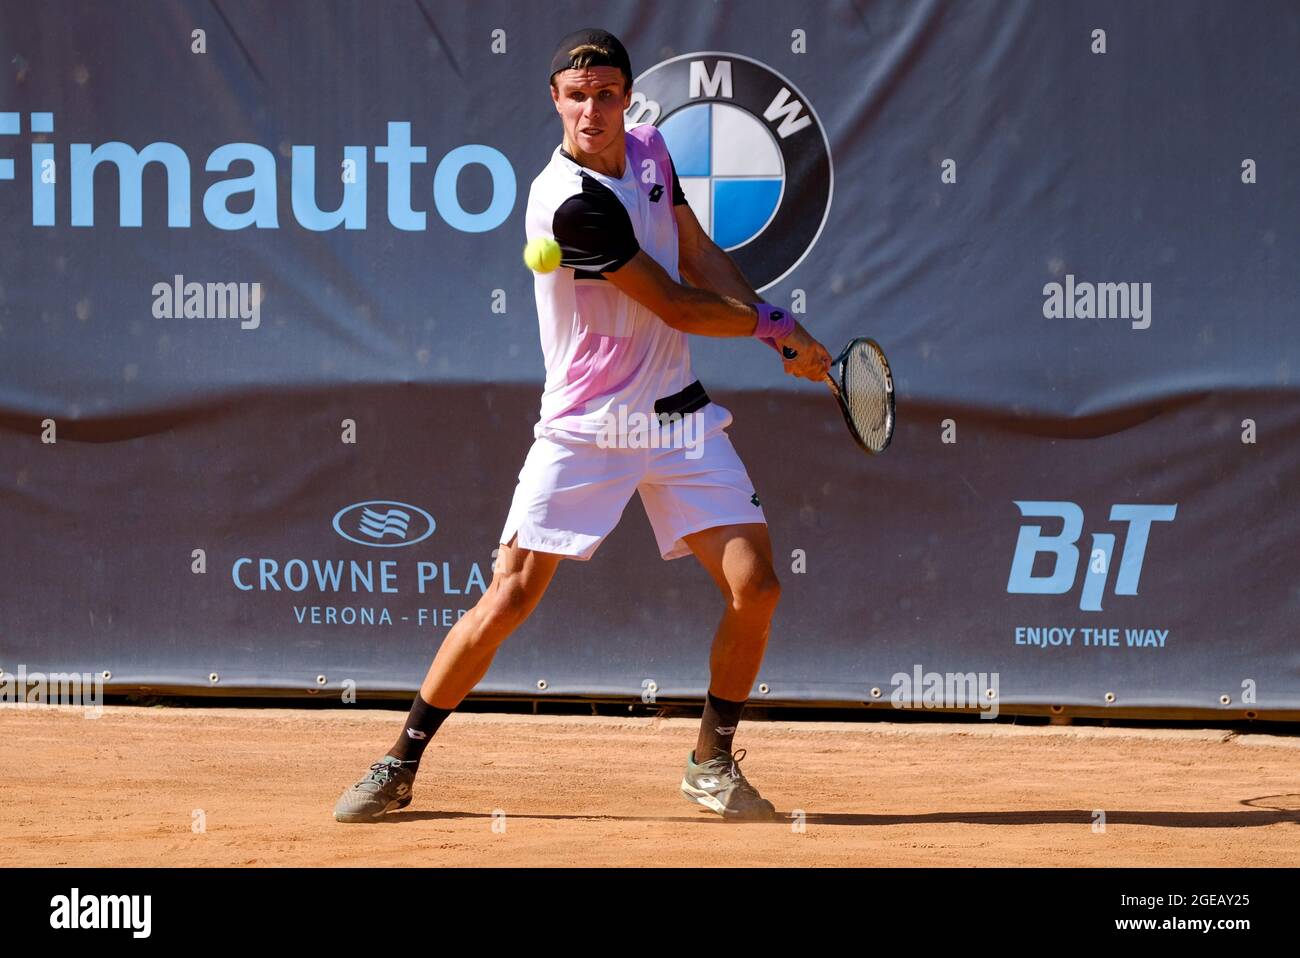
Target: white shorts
572	494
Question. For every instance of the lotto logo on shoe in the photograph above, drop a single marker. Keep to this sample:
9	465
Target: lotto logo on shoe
725	729
708	782
402	789
415	733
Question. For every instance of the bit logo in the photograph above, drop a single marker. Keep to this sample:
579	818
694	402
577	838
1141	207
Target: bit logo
1032	543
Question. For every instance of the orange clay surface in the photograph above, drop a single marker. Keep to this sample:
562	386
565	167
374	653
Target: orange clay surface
131	788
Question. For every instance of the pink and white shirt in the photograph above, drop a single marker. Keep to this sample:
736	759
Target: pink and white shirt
602	348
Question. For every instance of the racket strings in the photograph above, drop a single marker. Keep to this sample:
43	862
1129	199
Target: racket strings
866	389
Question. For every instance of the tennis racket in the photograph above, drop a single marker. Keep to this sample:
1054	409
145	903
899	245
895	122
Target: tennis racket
864	387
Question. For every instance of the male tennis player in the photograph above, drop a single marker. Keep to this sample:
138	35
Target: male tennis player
614	325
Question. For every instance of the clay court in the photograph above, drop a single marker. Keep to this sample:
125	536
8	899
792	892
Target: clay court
123	789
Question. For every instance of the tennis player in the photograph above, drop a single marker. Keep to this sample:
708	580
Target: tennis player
615	320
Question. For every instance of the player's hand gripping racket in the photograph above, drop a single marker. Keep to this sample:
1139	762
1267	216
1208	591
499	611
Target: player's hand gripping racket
862	384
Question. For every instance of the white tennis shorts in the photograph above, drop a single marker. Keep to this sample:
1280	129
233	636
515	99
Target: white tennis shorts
571	495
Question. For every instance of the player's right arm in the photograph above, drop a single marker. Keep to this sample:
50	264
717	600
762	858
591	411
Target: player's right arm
702	312
699	312
595	235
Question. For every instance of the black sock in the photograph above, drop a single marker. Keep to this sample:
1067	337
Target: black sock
717	727
420	726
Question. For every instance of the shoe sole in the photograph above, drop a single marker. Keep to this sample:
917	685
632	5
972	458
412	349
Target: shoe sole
361	817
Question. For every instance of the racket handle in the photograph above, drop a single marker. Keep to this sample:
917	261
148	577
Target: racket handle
789	353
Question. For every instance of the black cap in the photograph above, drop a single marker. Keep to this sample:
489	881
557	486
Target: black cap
618	55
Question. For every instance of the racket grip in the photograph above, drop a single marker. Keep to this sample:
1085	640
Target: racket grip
789	353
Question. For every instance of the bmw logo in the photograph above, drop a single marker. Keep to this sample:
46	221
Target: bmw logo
750	152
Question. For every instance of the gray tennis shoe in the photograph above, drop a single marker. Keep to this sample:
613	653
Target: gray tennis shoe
719	785
385	788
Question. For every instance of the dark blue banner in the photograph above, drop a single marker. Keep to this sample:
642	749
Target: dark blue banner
262	284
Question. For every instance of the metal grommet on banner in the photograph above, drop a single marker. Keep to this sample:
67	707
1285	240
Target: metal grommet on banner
213	678
321	680
1110	698
541	684
1251	714
991	693
875	692
1058	709
107	675
763	690
1225	699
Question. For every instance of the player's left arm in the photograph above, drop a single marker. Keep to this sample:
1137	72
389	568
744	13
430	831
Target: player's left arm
705	265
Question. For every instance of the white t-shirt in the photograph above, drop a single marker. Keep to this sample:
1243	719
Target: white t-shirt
606	354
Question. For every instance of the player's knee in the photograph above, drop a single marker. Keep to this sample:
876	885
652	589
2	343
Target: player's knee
758	592
505	605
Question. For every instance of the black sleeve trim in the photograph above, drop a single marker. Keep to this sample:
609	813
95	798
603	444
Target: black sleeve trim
678	196
594	231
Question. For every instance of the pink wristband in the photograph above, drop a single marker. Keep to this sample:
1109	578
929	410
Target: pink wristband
773	323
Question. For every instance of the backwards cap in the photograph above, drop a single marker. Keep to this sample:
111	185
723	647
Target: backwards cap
564	55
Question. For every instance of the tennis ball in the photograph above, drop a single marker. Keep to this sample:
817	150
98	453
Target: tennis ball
542	254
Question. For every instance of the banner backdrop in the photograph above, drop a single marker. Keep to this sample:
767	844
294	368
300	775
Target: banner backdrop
270	358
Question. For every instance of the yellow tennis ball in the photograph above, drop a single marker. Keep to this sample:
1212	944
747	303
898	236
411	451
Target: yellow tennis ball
542	254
